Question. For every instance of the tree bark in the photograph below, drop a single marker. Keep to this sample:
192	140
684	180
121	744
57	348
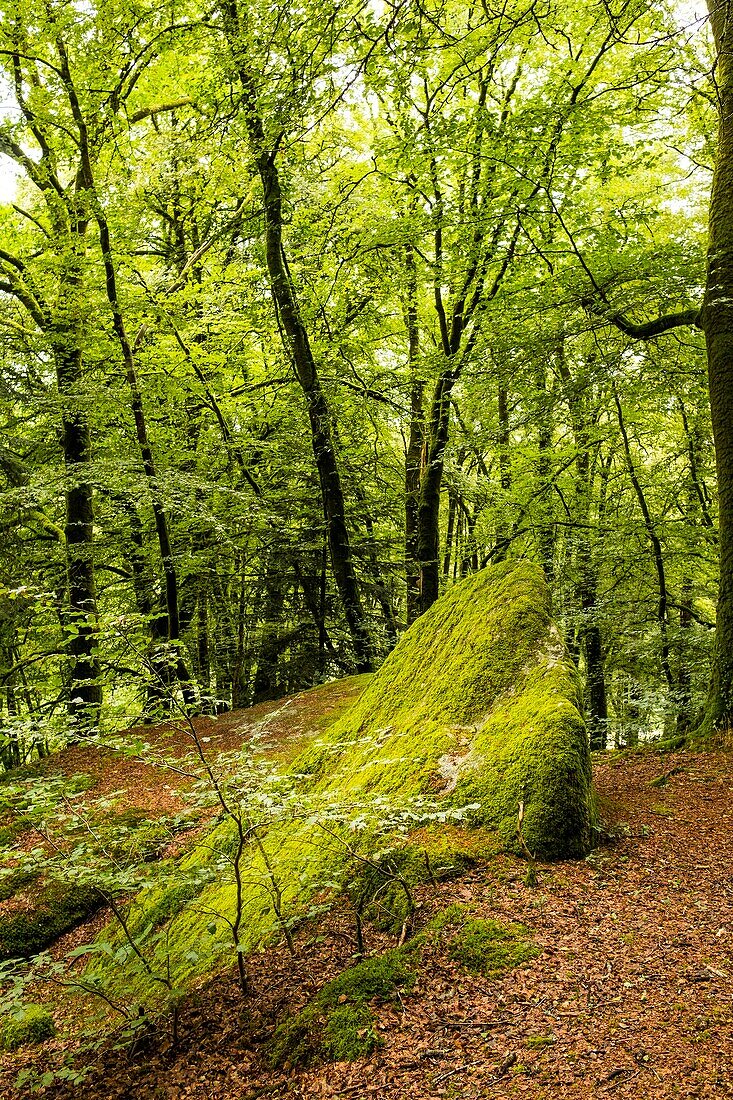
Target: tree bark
546	535
428	511
717	319
588	636
415	452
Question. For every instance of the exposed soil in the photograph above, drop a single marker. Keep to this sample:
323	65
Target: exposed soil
631	997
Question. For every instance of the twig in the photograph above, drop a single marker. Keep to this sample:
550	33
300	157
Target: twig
461	1069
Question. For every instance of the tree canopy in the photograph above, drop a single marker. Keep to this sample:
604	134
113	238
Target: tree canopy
308	311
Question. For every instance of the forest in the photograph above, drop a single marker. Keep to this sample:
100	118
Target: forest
366	545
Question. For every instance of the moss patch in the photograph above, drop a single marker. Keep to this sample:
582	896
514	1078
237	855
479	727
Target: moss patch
485	947
55	909
29	1024
539	1042
338	1025
488	947
381	890
10	832
169	902
15	881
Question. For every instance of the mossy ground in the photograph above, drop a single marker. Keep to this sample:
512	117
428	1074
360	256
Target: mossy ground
488	947
477	704
338	1024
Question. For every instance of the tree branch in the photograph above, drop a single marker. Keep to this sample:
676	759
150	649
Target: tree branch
647	330
159	109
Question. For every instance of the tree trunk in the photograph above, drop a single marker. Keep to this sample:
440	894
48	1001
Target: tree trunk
588	635
450	531
718	326
266	683
298	345
415	452
546	535
595	678
505	475
684	678
657	555
428	513
85	691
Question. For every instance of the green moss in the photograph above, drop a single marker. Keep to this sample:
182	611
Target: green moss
169	903
377	976
11	884
481	701
29	1024
134	840
487	947
453	916
483	946
539	1042
349	1033
338	1025
57	908
9	833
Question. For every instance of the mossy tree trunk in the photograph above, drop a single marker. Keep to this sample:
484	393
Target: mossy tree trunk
415	451
717	321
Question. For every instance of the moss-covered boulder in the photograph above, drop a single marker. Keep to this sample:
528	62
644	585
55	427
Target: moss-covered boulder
45	914
480	702
478	705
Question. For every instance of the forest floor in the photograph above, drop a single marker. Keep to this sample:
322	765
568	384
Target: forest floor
630	996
